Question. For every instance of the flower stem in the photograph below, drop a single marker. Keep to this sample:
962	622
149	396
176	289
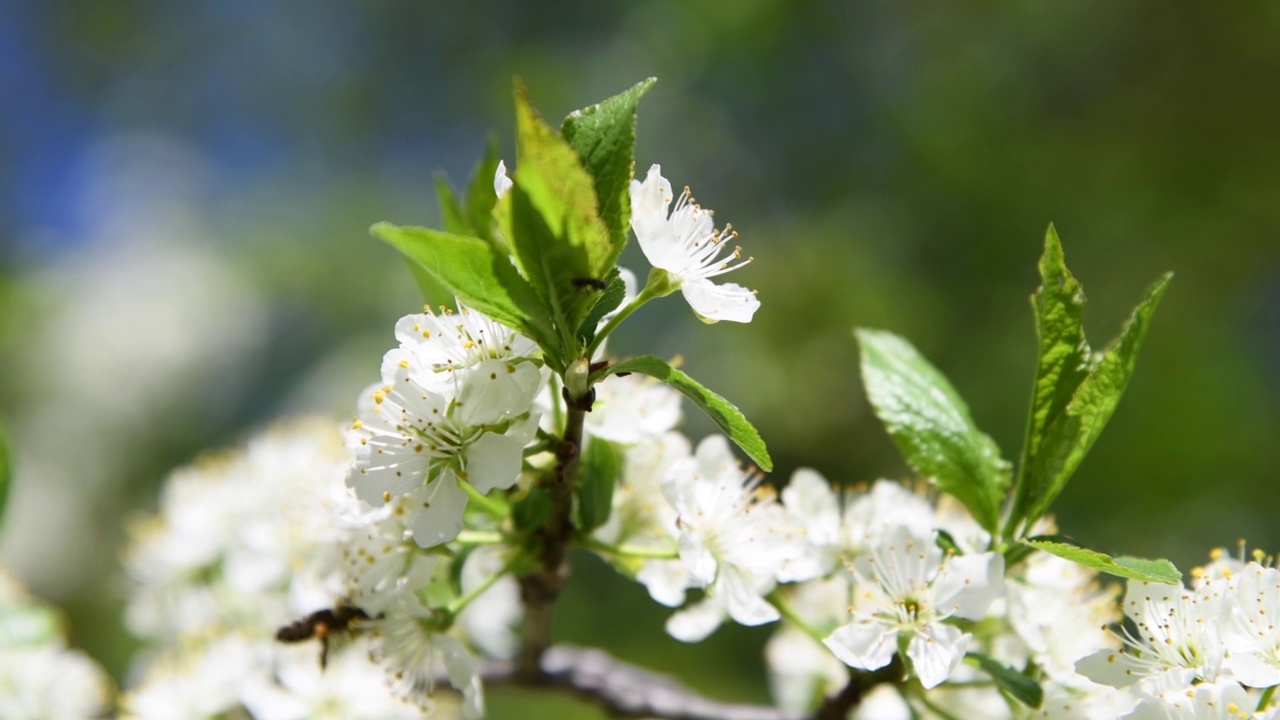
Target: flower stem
645	295
630	550
480	537
540	587
461	602
487	504
1266	698
787	611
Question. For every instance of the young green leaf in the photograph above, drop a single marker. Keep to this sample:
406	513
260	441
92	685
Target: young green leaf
477	274
1063	358
451	216
6	473
480	196
725	414
598	474
553	226
1064	353
532	510
1019	686
931	424
1070	435
1155	571
604	136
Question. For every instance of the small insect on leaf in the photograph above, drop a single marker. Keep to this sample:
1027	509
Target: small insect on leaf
590	282
321	624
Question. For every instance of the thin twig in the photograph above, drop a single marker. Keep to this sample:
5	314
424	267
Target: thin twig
623	690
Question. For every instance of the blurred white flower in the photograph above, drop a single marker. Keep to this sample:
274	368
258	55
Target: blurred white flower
687	245
244	535
491	620
734	539
409	646
801	671
350	687
1060	611
40	677
633	408
1219	700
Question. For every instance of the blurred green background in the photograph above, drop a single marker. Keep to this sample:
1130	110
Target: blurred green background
185	191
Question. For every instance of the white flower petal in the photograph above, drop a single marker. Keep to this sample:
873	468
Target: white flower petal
666	581
727	301
745	605
438	517
935	652
501	183
968	584
494	461
863	644
497	390
696	622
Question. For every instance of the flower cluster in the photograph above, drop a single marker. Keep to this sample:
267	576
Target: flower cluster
40	677
451	417
245	543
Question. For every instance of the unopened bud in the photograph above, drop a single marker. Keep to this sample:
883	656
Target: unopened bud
577	378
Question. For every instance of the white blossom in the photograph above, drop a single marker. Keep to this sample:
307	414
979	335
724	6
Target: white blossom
1178	640
1253	637
349	687
734	539
1058	609
413	441
245	536
905	587
687	245
410	647
800	670
633	408
1219	700
492	619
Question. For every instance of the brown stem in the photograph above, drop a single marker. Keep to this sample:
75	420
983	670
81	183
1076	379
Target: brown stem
837	706
540	588
623	690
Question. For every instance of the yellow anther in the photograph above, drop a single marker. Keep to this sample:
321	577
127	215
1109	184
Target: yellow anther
357	424
404	364
386	496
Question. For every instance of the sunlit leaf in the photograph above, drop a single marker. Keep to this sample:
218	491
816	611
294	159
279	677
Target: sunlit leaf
725	414
931	424
1155	571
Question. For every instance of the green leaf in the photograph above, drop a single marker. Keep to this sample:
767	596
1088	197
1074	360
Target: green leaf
1070	435
1019	686
604	136
532	510
553	226
1064	353
1155	571
931	425
477	274
724	413
612	296
601	466
6	473
451	216
480	196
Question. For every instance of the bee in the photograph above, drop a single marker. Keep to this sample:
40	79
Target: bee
321	624
590	282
